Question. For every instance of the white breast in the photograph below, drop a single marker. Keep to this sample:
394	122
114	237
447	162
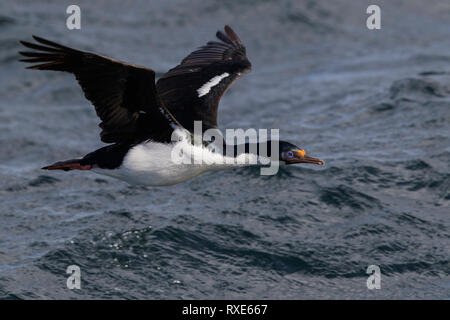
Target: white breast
150	164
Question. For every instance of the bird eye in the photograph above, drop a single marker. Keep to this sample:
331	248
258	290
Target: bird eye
289	154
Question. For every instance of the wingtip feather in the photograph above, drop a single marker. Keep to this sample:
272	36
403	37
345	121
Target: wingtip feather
231	34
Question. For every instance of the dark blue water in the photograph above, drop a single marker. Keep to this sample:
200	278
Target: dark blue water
375	105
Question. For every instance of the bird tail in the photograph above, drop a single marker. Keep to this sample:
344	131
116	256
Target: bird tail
73	164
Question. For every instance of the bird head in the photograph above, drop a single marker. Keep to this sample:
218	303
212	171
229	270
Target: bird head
291	154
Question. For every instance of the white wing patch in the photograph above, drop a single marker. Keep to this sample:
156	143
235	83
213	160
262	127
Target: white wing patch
204	89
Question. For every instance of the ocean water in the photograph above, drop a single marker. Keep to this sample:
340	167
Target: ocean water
374	104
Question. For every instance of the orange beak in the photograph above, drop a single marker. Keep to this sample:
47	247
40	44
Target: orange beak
301	157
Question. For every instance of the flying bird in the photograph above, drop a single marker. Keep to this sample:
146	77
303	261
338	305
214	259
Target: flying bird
140	117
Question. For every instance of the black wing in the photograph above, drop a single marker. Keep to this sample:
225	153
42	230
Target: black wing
124	95
192	90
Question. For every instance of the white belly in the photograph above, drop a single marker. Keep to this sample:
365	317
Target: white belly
153	164
167	176
150	164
